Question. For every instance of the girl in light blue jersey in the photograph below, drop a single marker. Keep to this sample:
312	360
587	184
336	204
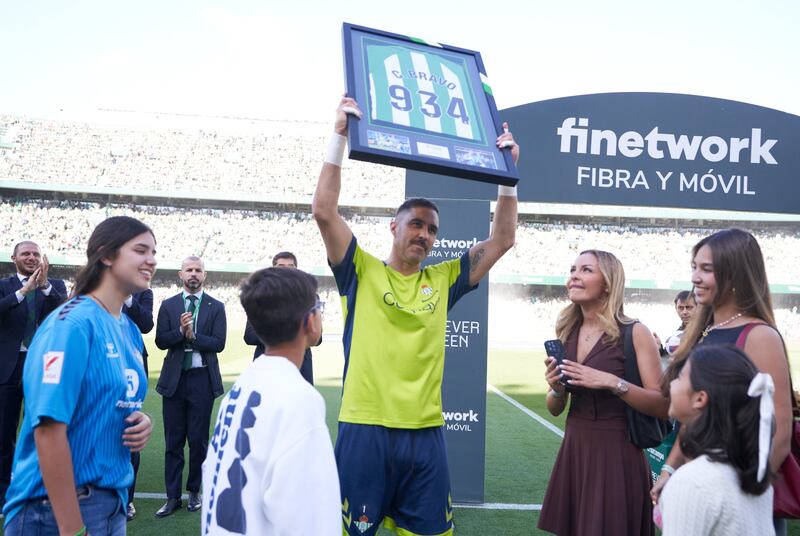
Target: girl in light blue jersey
84	385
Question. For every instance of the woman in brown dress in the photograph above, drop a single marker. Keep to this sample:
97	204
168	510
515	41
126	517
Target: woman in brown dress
600	482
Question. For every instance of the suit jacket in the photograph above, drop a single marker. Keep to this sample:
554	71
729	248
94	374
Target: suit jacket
14	316
251	339
209	341
141	312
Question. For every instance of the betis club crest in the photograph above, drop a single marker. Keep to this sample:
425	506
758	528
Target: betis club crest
363	523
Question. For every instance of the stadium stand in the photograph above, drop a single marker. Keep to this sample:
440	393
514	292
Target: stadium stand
238	190
264	160
253	236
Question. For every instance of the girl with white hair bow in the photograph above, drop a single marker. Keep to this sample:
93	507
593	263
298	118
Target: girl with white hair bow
726	409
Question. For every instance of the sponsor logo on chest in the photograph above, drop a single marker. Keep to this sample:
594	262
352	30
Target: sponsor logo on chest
111	351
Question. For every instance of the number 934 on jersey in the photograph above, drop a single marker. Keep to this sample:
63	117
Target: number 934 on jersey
426	106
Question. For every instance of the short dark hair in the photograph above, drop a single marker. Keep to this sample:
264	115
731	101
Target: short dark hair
22	243
727	429
277	301
284	255
684	295
415	202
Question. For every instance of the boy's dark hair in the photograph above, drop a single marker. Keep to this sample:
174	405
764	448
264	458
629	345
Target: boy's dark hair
277	302
284	255
415	202
727	429
684	295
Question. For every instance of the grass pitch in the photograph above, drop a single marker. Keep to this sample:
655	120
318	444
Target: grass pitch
519	450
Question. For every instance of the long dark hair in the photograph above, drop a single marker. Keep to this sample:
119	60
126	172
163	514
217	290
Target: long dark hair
727	429
739	273
105	243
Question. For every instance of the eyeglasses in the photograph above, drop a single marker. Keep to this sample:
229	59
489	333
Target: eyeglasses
319	306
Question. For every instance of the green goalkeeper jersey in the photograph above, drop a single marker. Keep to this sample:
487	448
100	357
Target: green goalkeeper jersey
394	338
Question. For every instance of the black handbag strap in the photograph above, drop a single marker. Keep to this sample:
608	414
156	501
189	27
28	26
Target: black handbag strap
631	365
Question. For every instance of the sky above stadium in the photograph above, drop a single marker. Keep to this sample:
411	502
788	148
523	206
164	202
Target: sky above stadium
283	60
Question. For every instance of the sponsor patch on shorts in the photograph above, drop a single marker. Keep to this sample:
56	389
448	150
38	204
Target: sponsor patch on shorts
53	363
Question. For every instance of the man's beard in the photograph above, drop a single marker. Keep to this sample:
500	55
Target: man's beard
21	268
193	285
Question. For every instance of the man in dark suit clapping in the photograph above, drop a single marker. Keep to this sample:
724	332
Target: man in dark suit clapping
139	307
26	298
192	327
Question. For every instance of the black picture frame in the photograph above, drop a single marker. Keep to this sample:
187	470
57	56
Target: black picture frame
426	106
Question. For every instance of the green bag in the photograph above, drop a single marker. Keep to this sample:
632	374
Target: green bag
658	455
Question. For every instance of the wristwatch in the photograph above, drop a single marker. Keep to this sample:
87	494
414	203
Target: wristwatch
622	388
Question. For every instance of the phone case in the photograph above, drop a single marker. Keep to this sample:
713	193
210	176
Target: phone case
556	349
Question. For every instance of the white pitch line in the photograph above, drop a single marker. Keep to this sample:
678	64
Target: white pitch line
484	506
533	415
140	495
500	506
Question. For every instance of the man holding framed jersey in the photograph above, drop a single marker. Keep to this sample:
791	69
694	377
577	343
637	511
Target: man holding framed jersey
390	448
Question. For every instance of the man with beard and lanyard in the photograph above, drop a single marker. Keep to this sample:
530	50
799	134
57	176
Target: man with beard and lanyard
192	327
26	298
390	449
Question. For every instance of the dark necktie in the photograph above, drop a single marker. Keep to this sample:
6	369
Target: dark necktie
188	351
30	322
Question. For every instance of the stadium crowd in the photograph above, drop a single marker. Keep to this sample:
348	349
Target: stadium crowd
646	252
120	266
251	236
273	163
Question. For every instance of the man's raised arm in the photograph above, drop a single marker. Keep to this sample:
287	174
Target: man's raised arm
483	255
325	206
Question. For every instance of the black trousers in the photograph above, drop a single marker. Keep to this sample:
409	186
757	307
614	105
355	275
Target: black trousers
136	457
10	406
187	417
307	368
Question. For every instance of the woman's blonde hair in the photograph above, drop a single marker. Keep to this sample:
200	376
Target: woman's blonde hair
611	312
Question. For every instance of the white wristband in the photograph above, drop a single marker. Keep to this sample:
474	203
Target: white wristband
507	190
668	469
335	151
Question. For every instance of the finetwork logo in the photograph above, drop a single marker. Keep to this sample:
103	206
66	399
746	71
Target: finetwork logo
460	421
632	144
454	244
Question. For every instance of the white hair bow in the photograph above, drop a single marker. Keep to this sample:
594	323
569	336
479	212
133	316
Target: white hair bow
763	387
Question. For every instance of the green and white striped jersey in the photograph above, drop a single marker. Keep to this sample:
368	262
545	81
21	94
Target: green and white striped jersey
421	89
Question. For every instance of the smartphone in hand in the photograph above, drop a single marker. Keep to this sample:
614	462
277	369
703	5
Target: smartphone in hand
555	348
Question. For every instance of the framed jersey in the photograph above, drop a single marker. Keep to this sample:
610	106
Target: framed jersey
427	107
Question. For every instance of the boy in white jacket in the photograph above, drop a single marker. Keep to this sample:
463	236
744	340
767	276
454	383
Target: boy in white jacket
270	468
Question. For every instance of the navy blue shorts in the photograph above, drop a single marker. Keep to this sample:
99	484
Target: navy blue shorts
395	476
